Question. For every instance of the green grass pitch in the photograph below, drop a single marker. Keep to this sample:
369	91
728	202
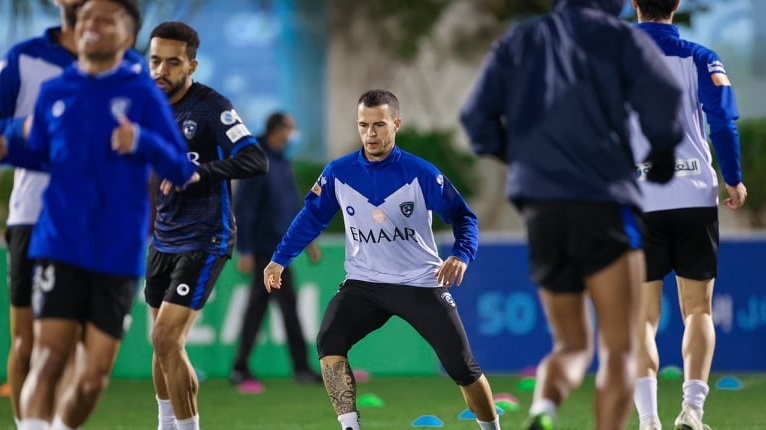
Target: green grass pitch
286	405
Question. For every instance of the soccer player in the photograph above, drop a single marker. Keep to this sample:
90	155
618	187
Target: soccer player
194	230
387	197
23	69
682	216
552	101
98	130
264	207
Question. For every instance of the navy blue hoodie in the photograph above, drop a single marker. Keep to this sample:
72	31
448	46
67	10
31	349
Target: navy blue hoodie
553	98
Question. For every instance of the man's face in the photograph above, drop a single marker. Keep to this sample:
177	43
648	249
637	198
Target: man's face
70	8
377	128
103	28
170	65
282	135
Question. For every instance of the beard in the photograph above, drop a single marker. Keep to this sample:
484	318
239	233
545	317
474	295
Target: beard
175	87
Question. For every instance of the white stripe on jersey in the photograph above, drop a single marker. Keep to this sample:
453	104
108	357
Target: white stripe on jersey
392	242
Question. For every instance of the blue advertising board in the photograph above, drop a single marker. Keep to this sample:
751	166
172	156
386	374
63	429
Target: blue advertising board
506	324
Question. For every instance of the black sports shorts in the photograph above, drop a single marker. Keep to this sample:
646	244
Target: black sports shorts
61	290
683	240
570	241
185	279
19	265
360	308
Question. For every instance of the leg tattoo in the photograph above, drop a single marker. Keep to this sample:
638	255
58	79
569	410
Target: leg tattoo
341	386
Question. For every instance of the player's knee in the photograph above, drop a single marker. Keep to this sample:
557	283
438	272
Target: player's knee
93	382
165	341
463	371
331	345
22	348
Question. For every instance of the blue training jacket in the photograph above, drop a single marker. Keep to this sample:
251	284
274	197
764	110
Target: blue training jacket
553	98
96	209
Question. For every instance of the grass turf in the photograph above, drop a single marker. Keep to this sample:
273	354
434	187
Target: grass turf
286	405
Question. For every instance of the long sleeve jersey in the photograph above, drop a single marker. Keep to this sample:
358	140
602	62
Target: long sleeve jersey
387	209
96	208
707	94
553	99
200	217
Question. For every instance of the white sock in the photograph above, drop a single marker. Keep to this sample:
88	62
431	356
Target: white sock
33	424
188	424
695	393
349	421
490	425
58	424
165	415
543	406
645	398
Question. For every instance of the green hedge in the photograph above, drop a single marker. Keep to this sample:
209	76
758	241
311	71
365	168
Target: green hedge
752	133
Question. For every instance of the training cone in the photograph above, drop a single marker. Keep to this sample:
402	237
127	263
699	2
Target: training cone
506	405
729	383
506	396
369	400
673	373
527	384
427	421
361	376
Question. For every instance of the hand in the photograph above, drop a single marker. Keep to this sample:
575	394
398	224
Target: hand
124	136
27	127
246	264
663	166
166	185
451	272
315	254
737	196
272	276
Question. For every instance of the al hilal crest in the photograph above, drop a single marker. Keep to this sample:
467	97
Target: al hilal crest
407	208
119	106
189	128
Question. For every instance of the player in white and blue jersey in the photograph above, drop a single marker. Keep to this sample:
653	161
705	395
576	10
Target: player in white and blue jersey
194	230
387	198
682	216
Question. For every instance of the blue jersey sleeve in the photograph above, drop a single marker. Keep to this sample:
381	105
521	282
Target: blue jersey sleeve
10	83
443	198
230	132
160	141
320	205
482	113
720	107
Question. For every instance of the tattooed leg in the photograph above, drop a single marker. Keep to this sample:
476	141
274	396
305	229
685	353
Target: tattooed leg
340	383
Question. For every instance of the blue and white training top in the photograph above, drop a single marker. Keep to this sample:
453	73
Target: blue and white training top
23	69
387	212
706	89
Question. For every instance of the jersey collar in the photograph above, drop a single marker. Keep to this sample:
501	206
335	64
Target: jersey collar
659	28
393	157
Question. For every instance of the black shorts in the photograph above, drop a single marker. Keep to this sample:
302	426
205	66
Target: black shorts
65	291
683	240
185	279
360	308
571	241
19	265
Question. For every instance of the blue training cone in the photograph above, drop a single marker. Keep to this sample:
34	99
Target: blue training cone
729	383
427	421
